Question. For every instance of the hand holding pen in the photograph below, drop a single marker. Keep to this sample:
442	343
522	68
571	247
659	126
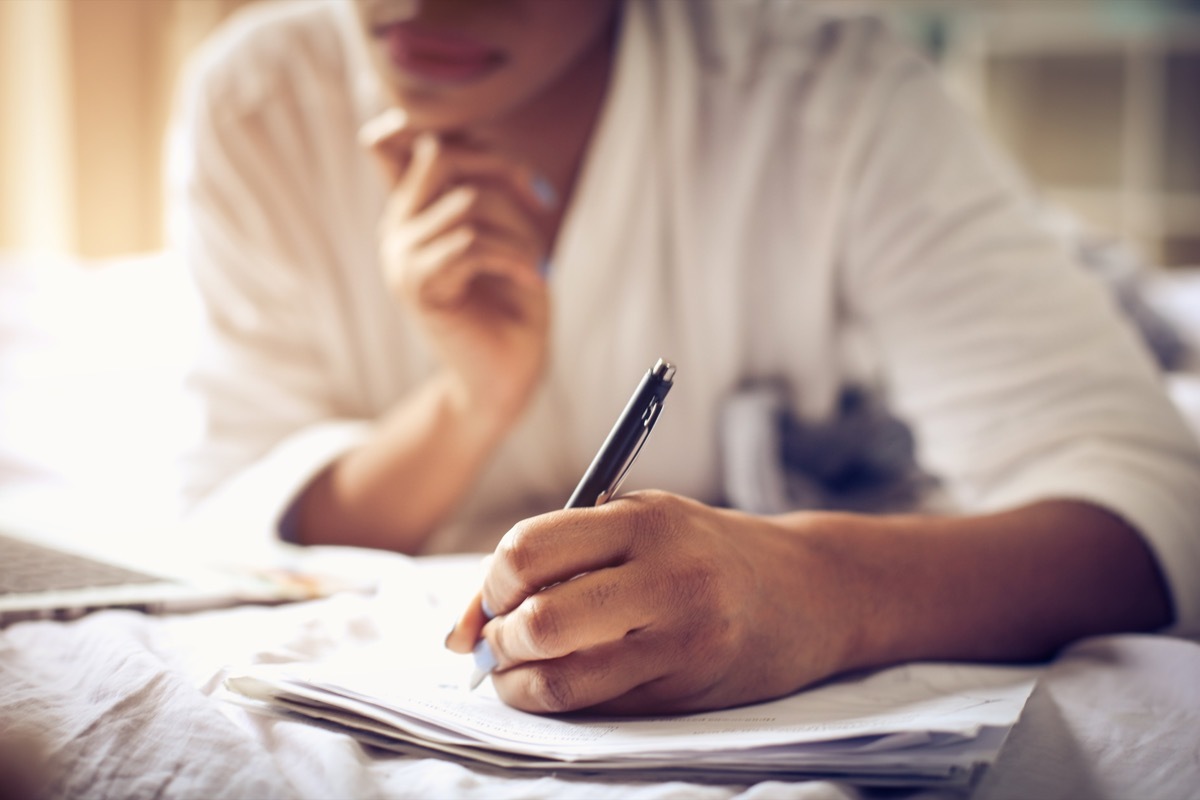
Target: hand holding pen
656	603
604	476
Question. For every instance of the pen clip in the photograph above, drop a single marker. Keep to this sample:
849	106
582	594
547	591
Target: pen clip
649	417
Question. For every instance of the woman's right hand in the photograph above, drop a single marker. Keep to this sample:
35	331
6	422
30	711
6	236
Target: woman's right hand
461	242
461	239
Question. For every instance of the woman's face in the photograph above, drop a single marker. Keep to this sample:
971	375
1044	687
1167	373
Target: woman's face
454	63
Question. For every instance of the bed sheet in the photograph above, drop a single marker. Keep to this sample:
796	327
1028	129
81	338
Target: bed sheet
122	705
119	704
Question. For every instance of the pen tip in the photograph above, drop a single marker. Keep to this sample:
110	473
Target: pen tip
476	678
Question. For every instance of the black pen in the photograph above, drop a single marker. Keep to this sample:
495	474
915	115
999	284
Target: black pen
610	466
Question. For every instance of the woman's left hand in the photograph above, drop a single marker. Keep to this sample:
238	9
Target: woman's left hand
651	603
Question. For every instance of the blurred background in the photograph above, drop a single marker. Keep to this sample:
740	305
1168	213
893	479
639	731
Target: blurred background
1098	100
86	89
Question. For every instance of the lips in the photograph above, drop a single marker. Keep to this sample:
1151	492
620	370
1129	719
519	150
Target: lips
436	56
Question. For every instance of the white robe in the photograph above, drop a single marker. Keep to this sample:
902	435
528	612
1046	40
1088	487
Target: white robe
770	194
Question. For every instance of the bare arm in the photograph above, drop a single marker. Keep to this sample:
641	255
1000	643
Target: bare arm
460	244
1016	585
395	490
679	606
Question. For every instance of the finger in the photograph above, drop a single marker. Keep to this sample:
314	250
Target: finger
466	631
459	163
383	126
554	547
588	611
425	176
583	679
474	206
443	273
389	139
435	256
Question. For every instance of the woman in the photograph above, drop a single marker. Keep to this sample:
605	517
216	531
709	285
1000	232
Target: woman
440	240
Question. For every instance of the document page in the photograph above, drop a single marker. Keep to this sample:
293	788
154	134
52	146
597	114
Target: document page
921	721
950	699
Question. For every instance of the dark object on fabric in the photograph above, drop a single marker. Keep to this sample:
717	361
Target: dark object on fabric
1120	267
862	459
1125	276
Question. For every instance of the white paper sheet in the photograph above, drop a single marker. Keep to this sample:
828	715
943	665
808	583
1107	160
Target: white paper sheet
911	723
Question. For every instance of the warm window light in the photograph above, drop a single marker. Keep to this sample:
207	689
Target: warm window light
86	87
36	206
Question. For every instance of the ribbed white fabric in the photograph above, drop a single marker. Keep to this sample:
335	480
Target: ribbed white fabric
770	194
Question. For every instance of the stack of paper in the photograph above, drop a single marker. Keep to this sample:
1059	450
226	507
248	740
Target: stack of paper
918	724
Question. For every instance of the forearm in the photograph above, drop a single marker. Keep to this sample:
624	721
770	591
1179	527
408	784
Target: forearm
702	607
1016	585
396	489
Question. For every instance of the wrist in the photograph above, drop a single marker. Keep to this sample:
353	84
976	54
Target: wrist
477	417
802	609
838	615
1010	585
432	444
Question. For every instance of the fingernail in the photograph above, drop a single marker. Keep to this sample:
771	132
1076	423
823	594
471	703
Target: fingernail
485	659
544	268
544	190
487	610
453	628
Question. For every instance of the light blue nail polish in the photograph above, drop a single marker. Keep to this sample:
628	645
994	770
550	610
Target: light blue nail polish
544	190
485	659
487	610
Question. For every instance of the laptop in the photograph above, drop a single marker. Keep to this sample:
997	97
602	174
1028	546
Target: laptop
44	578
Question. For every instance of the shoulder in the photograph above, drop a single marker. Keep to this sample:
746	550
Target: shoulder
801	68
749	39
271	54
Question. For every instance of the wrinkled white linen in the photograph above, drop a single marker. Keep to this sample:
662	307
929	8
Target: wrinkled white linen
127	706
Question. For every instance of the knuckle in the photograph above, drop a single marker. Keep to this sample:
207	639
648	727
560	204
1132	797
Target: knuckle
656	515
654	500
543	627
551	689
517	552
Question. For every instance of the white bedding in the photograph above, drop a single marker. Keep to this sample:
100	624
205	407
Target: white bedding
123	705
92	359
